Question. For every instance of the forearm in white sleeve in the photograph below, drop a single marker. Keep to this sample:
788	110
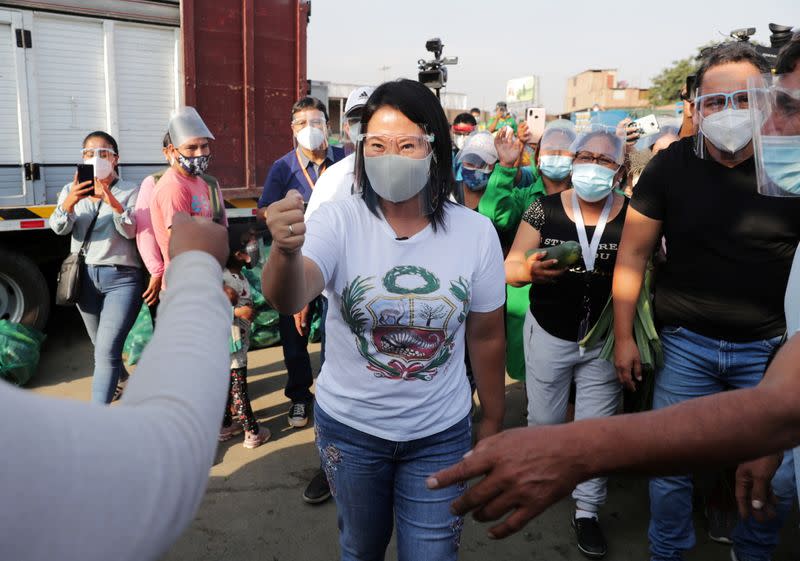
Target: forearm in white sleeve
80	481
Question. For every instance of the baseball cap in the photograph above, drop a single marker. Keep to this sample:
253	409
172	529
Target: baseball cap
478	150
358	98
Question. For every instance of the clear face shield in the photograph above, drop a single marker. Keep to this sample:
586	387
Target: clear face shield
775	110
555	150
310	130
724	121
185	124
475	160
398	168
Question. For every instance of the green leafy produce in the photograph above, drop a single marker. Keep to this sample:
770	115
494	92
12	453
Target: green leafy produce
567	253
644	331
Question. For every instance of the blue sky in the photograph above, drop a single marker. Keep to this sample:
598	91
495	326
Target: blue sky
351	41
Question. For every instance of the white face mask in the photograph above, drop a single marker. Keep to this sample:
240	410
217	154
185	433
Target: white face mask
460	140
397	178
102	167
729	130
311	138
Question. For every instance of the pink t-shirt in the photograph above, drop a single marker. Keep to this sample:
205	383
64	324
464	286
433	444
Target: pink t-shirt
175	193
145	236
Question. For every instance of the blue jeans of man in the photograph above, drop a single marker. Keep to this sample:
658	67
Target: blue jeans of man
109	302
696	366
295	355
377	483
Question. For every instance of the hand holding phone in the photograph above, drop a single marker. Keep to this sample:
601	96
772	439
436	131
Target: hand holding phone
535	119
80	189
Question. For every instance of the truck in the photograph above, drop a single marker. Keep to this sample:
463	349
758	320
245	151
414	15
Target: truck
69	67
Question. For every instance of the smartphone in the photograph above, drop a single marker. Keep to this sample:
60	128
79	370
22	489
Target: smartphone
535	118
647	125
85	173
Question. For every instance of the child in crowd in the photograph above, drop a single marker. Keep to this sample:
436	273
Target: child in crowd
238	291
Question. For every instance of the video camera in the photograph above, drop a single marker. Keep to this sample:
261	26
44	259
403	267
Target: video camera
433	73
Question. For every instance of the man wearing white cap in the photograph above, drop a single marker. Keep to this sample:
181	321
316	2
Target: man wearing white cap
337	183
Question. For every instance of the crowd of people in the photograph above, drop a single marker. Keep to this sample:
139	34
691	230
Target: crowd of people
441	256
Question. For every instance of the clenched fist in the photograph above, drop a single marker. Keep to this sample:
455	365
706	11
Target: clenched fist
286	224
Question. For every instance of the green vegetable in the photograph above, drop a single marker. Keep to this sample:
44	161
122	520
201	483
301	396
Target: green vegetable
644	331
567	253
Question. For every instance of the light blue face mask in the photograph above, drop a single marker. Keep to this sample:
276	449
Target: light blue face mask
592	182
781	161
555	167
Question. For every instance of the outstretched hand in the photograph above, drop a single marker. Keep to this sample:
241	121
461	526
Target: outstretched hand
525	470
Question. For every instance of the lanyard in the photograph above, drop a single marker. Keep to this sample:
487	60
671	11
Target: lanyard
305	171
589	250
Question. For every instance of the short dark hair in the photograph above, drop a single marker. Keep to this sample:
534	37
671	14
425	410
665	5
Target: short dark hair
105	136
465	118
309	102
475	110
167	140
421	106
788	56
728	52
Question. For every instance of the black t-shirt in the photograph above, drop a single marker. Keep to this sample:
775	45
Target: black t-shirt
558	307
729	249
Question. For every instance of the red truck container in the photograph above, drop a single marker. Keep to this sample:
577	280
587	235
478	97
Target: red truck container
71	66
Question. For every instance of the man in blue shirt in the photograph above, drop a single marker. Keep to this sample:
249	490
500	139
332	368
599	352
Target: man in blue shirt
299	169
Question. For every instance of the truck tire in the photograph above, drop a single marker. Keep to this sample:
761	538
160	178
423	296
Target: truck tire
24	296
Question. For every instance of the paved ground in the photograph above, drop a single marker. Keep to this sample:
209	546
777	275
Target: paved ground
253	510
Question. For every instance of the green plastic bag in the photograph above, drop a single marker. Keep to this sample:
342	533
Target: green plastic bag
138	337
19	351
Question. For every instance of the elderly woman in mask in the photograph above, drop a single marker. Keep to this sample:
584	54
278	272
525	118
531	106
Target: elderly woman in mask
101	215
393	402
566	300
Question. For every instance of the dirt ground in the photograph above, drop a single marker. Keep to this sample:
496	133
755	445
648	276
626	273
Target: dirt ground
253	508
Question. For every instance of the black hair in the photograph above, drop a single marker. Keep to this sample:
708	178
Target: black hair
105	136
167	140
728	52
788	56
238	237
309	102
465	118
501	104
475	110
419	105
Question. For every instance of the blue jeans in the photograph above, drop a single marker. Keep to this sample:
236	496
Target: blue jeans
695	366
376	481
111	296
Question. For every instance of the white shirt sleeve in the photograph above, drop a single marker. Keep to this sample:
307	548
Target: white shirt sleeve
87	482
489	280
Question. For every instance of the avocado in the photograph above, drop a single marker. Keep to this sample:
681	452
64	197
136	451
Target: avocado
567	253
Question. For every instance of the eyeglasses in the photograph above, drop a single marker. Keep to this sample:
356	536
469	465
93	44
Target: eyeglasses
415	146
316	123
103	153
590	158
709	104
787	101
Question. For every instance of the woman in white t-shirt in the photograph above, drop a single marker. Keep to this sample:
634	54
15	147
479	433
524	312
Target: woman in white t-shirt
393	400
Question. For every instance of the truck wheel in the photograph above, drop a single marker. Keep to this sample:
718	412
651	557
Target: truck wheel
24	296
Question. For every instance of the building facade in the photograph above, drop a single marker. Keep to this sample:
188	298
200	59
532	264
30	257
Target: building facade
599	88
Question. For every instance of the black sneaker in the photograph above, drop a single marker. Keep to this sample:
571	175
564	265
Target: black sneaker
318	490
591	541
721	524
298	414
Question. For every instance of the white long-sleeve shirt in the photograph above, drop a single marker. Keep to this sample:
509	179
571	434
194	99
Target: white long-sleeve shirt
80	481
